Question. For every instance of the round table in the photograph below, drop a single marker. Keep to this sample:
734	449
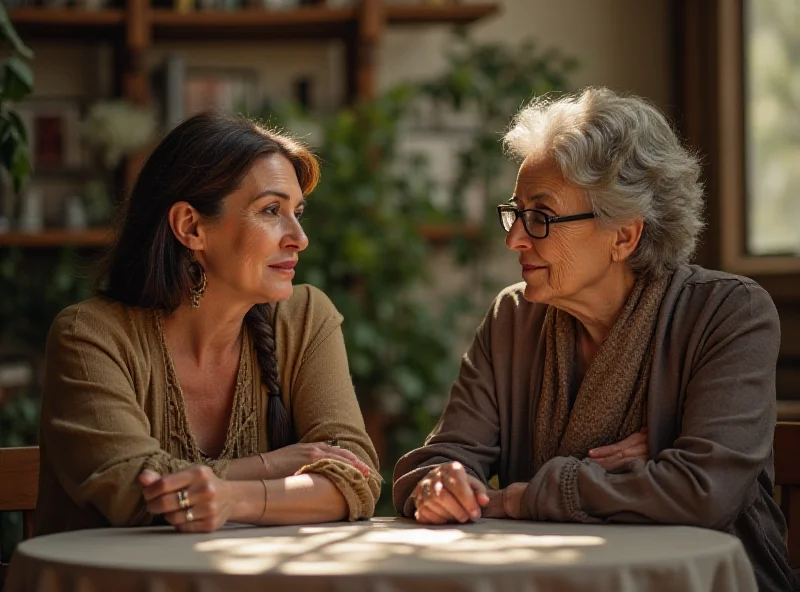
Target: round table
386	555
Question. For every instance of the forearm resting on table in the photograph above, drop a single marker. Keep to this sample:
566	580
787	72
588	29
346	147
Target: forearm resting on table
246	469
298	499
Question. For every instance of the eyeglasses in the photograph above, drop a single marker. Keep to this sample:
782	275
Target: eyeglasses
536	222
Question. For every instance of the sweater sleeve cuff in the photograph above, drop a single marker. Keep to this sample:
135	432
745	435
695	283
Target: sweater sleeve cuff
553	493
359	492
164	464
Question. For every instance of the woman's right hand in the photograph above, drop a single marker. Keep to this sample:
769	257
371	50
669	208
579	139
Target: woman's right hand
286	461
449	494
615	456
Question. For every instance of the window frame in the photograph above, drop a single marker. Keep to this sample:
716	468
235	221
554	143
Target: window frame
731	147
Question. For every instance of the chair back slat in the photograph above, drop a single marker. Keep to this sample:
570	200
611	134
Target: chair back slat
19	488
19	478
786	448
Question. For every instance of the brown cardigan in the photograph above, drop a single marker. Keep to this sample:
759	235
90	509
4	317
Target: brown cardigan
710	414
105	407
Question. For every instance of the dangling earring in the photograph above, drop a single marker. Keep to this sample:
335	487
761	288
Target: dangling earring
198	275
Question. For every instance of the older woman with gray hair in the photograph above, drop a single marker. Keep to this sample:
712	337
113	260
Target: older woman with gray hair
616	383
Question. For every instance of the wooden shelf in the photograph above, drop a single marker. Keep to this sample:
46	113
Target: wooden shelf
66	23
95	237
457	14
251	24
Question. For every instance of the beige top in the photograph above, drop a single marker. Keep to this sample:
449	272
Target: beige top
112	406
387	554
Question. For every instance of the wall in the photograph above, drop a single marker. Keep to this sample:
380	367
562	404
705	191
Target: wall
622	44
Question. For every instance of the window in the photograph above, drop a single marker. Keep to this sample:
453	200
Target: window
772	126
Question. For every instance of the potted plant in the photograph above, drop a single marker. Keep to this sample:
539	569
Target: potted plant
16	83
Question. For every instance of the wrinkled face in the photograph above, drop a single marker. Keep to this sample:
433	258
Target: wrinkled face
576	255
252	248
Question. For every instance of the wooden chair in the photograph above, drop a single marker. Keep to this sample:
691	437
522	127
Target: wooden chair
19	486
786	447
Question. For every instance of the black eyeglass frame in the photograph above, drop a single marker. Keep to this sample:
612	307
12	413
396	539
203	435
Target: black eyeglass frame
548	220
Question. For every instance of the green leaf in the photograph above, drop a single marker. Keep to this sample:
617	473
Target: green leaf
17	80
16	123
9	33
20	166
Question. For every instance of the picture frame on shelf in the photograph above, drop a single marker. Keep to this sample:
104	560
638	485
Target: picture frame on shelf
53	126
233	90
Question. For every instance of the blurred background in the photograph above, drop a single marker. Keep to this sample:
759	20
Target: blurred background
405	102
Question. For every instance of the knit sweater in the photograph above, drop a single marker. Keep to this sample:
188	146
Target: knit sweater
112	406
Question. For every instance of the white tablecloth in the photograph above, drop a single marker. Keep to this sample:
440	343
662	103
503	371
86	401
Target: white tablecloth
386	555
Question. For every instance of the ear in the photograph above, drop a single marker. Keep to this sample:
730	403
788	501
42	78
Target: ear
185	223
627	239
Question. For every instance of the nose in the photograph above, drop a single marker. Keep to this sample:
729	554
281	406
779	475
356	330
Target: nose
517	239
295	238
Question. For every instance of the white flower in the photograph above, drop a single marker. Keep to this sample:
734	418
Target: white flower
116	129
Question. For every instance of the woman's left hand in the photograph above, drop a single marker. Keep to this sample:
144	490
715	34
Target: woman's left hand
208	502
614	456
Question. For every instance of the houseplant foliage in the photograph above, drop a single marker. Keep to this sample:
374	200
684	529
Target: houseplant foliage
32	295
368	255
491	81
16	83
18	420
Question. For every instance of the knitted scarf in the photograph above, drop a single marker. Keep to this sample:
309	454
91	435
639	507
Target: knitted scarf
609	405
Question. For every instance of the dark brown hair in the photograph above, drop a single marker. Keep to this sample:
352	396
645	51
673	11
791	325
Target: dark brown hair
201	161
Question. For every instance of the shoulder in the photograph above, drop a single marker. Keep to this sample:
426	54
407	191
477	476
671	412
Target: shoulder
510	297
704	310
98	320
695	288
307	304
510	305
511	317
308	313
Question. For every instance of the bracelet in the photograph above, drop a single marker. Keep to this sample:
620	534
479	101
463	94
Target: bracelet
266	497
264	462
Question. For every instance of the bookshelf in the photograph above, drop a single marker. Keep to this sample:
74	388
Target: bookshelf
134	28
138	25
316	22
95	237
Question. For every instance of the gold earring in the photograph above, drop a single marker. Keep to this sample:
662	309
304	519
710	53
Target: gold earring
198	275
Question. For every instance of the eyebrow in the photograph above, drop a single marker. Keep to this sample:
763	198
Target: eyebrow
274	192
281	194
546	197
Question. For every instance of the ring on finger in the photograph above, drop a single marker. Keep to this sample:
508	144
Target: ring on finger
189	515
426	490
333	442
183	499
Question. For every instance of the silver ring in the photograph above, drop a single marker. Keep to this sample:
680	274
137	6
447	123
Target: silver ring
189	515
333	442
426	490
183	499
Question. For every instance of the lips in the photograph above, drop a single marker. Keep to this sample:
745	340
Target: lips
284	265
529	267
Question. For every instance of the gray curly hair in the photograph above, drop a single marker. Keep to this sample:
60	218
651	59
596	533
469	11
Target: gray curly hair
622	151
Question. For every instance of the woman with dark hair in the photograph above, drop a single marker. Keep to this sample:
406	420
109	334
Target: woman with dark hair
199	386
